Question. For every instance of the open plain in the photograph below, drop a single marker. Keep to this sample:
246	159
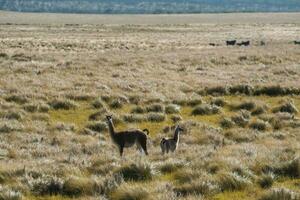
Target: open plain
238	106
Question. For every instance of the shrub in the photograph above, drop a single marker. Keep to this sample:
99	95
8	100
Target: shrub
232	181
218	102
280	194
288	107
76	186
116	103
155	117
97	126
136	172
46	185
138	110
126	192
17	99
97	104
266	180
155	108
227	123
132	118
172	109
205	109
64	104
259	125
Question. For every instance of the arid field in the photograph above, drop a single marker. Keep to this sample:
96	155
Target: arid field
239	106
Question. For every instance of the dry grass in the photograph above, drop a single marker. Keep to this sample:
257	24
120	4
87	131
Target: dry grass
238	107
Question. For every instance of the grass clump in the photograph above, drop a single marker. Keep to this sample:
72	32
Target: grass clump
280	194
46	185
126	192
241	89
116	104
288	107
241	119
31	107
12	115
175	118
226	123
248	105
155	108
217	91
193	102
133	118
155	117
9	194
76	186
206	109
97	104
172	109
97	126
10	126
289	169
196	188
138	110
64	104
259	125
171	166
266	180
259	110
20	99
136	172
219	102
232	181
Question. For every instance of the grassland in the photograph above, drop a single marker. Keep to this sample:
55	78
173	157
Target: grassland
239	107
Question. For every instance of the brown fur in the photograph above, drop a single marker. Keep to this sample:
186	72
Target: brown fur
125	139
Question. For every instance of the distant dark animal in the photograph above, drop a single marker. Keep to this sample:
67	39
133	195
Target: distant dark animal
170	144
243	43
230	42
125	139
262	43
297	42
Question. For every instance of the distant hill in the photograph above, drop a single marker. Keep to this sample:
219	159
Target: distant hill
150	6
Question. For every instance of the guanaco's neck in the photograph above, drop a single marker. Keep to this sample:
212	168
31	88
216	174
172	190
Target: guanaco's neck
111	128
176	135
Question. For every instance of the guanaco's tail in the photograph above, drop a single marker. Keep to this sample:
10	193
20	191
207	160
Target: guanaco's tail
146	130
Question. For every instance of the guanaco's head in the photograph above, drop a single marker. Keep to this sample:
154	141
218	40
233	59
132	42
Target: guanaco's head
179	128
109	118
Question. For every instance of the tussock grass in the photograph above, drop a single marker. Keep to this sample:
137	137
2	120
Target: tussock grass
216	91
155	108
64	104
155	117
128	192
206	109
116	104
171	166
46	185
10	126
7	193
138	110
288	168
219	102
97	104
266	180
134	118
136	172
76	186
20	99
175	118
194	102
197	187
12	115
259	125
232	181
280	194
97	126
172	109
226	123
247	105
288	107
